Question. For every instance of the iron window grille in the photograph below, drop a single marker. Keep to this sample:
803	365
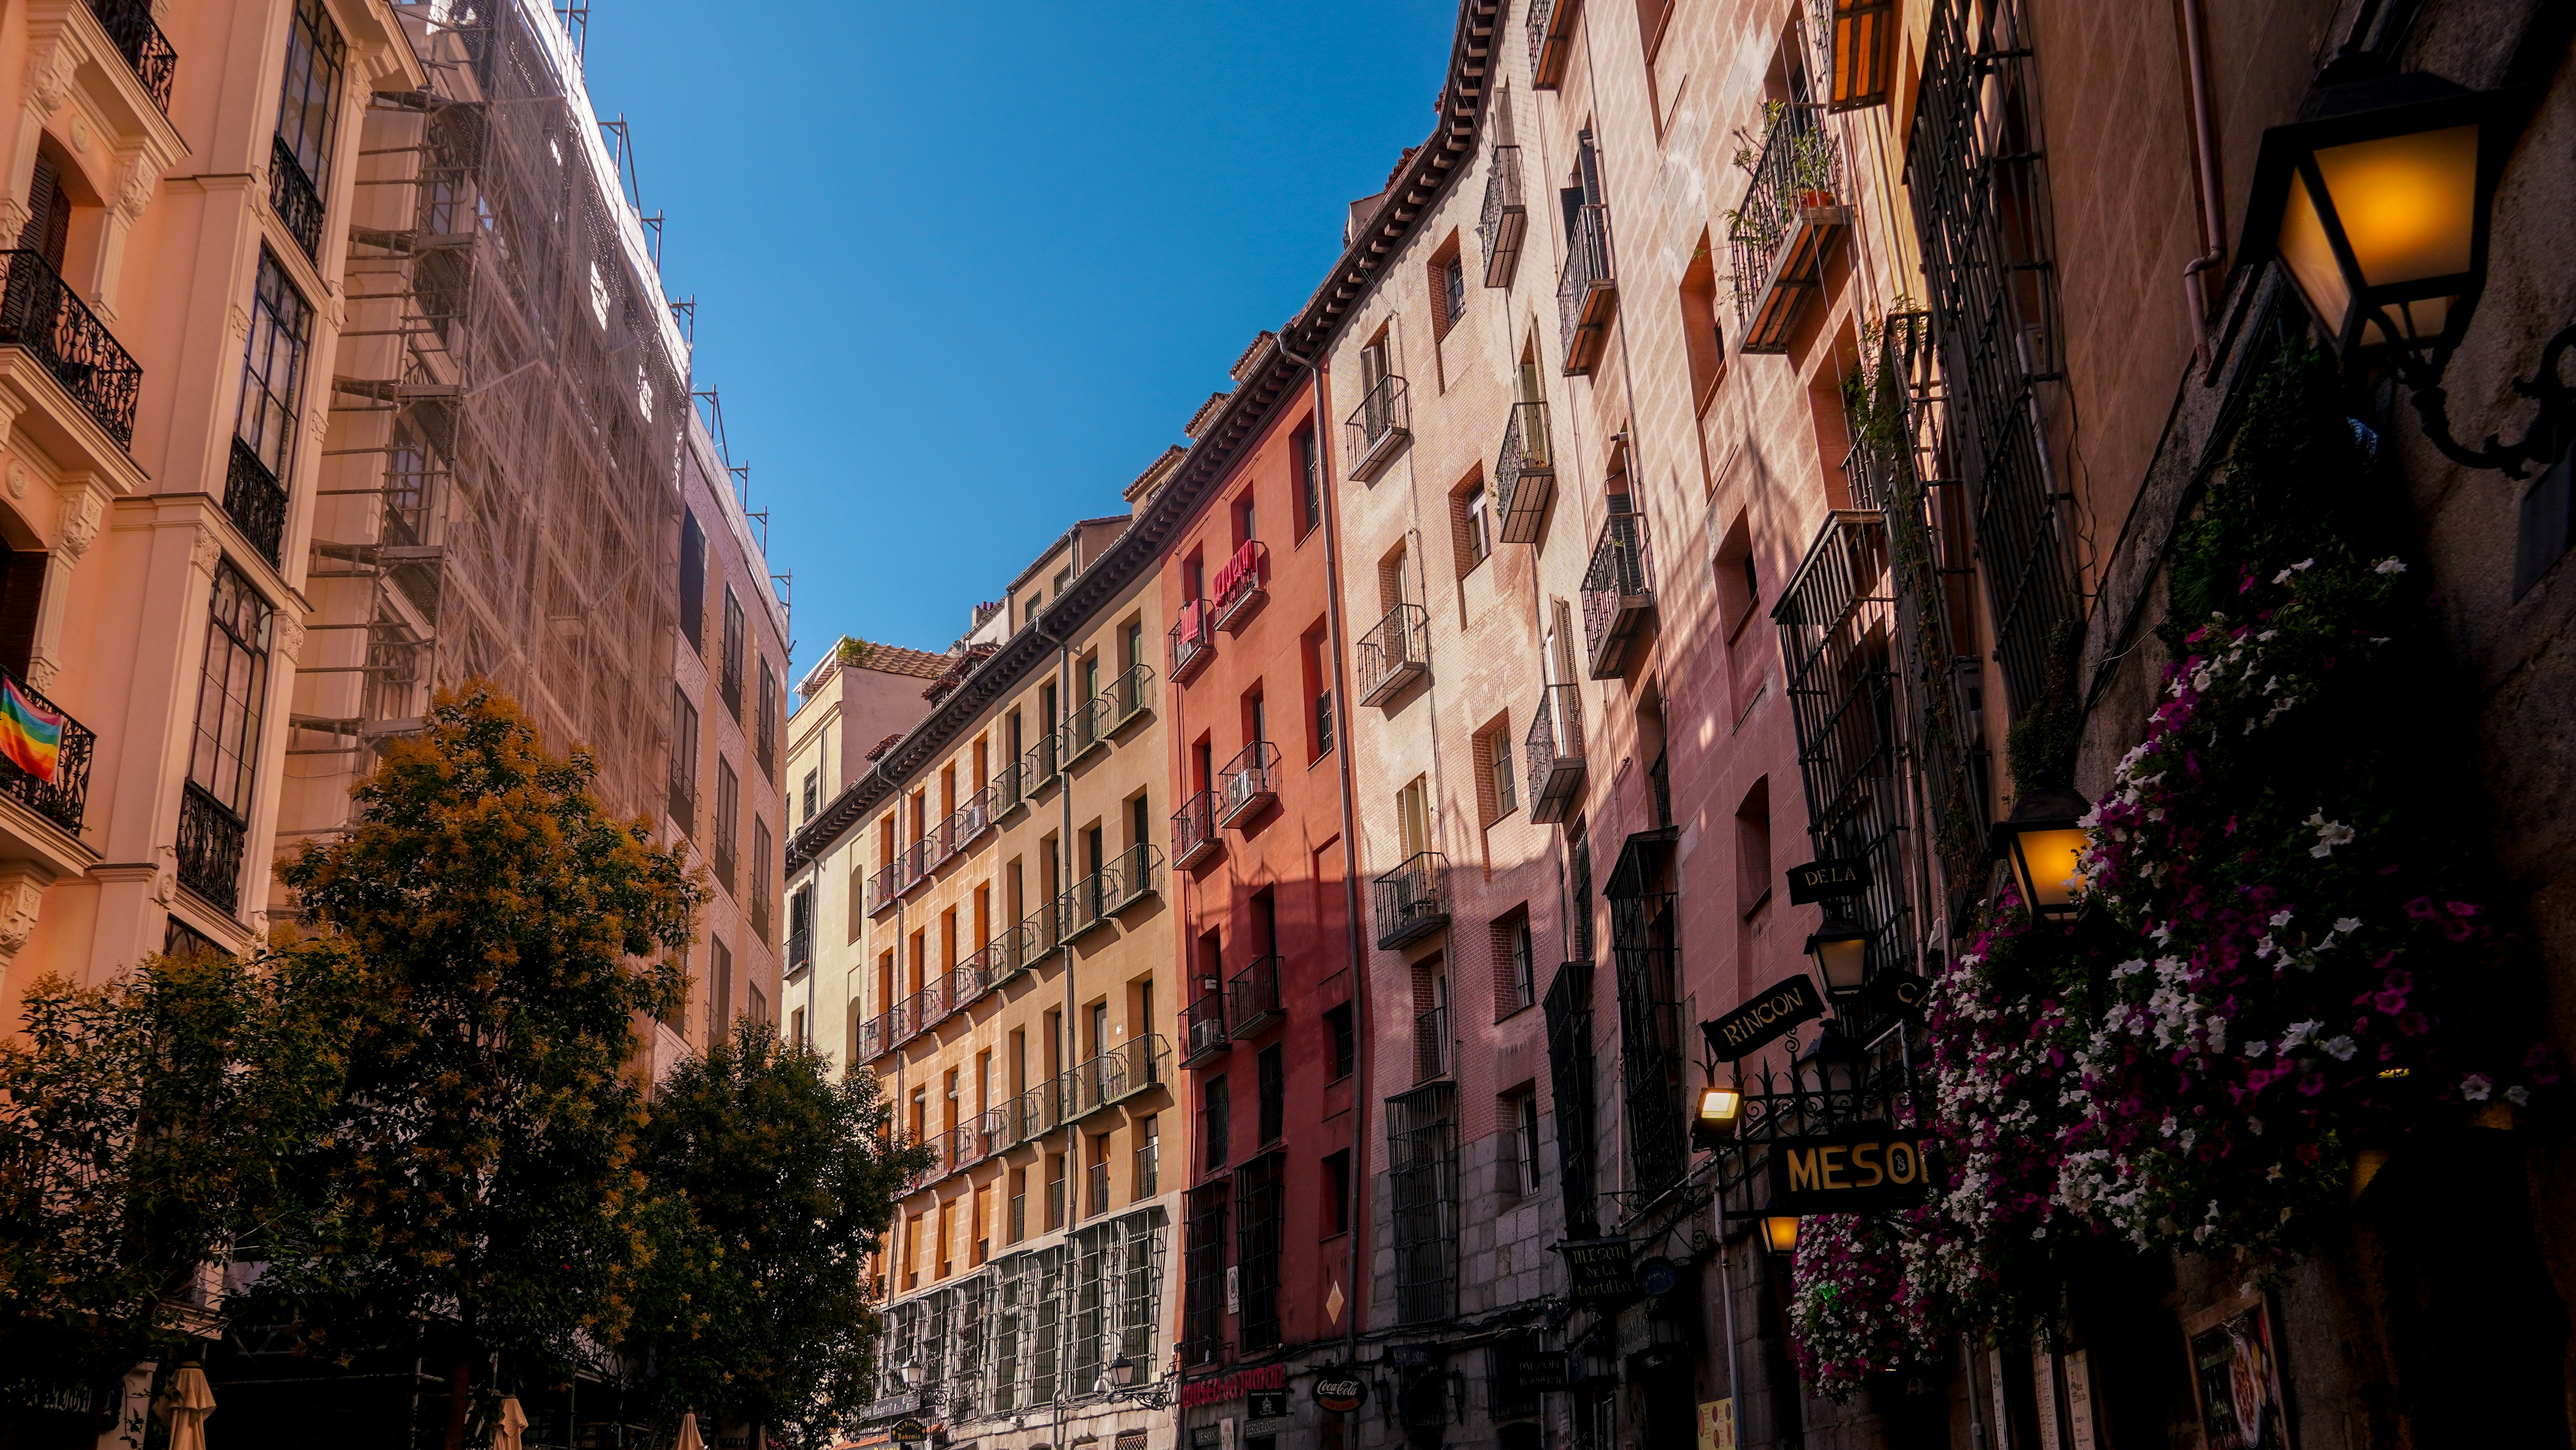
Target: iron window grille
209	847
41	314
1203	1274
1579	885
214	811
1270	1079
1555	746
1430	1044
1836	626
1650	1041
765	736
800	930
1216	1122
1976	174
281	324
1422	1179
729	673
693	582
1507	1396
1260	1193
1569	1076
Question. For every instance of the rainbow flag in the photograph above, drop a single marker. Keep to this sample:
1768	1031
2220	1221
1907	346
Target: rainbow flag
31	736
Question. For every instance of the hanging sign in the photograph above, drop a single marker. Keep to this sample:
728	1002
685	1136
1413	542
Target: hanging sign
1597	1270
1265	1405
1537	1370
1340	1391
1657	1276
1783	1005
1825	880
910	1432
1896	995
1864	1168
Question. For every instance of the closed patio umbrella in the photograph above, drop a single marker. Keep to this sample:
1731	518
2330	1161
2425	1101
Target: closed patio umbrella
689	1433
188	1400
513	1426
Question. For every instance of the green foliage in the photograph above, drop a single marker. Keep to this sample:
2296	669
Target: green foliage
773	1183
142	1126
480	1166
2040	747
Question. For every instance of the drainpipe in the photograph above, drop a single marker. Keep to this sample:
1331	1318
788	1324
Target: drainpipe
1064	1048
2204	142
1360	1038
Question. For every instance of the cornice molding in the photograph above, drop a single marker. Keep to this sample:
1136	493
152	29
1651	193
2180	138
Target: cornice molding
1211	458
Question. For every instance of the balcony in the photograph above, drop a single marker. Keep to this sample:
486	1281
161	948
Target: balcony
1041	764
724	864
1551	38
1524	475
61	795
210	848
291	195
256	501
968	822
1116	1075
875	1037
1250	784
1039	933
147	51
1376	430
1618	592
1252	998
39	313
970	979
1394	653
915	862
1131	696
1134	875
1430	1044
1586	292
1780	234
1242	586
1412	900
682	802
1083	908
1007	792
883	887
1194	831
1556	755
1193	641
1506	219
1203	1030
920	1012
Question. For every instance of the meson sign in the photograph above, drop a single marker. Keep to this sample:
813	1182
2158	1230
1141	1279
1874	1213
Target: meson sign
1864	1168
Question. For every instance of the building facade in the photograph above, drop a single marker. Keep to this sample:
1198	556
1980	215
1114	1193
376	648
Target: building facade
179	188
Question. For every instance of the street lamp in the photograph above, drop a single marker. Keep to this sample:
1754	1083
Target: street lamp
1719	1106
1780	1232
1122	1372
2044	840
2379	207
1840	948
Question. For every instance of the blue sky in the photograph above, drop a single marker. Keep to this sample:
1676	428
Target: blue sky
962	271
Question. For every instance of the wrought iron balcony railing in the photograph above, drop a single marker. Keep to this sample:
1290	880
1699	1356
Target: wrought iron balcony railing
978	974
255	501
1556	754
884	885
1083	906
1193	641
1252	998
1040	932
1130	695
916	863
1551	39
1524	474
1250	783
1007	791
1041	763
1242	586
724	865
1430	1044
1779	233
760	919
62	797
875	1037
1087	726
682	802
1203	1027
1377	428
1131	876
1394	653
292	194
968	821
1506	220
147	51
915	1014
1618	592
41	314
1412	900
1194	830
1116	1075
1037	1112
1586	291
210	847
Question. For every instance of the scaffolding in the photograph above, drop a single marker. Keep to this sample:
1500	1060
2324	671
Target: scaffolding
500	477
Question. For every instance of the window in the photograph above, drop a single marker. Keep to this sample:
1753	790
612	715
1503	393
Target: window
1494	771
230	691
1271	1074
719	990
1216	1122
1337	1193
281	325
1520	1150
1346	1047
301	156
1259	1191
1471	525
1703	335
730	676
1315	660
760	854
693	582
757	1006
1099	1174
813	790
796	1026
1310	479
1413	818
1055	1190
1515	967
765	735
1753	849
1149	1157
684	761
1448	287
728	810
1422	1184
800	929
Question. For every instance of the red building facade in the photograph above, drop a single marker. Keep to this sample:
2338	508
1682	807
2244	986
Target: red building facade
1266	1034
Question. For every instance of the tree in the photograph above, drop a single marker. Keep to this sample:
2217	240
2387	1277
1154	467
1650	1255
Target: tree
479	1172
774	1181
142	1126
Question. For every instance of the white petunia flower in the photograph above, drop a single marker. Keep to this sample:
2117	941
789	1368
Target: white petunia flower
2520	1097
2280	918
2340	1049
2347	923
2389	565
2477	1087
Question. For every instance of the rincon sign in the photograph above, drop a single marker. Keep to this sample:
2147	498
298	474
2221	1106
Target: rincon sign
1783	1005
